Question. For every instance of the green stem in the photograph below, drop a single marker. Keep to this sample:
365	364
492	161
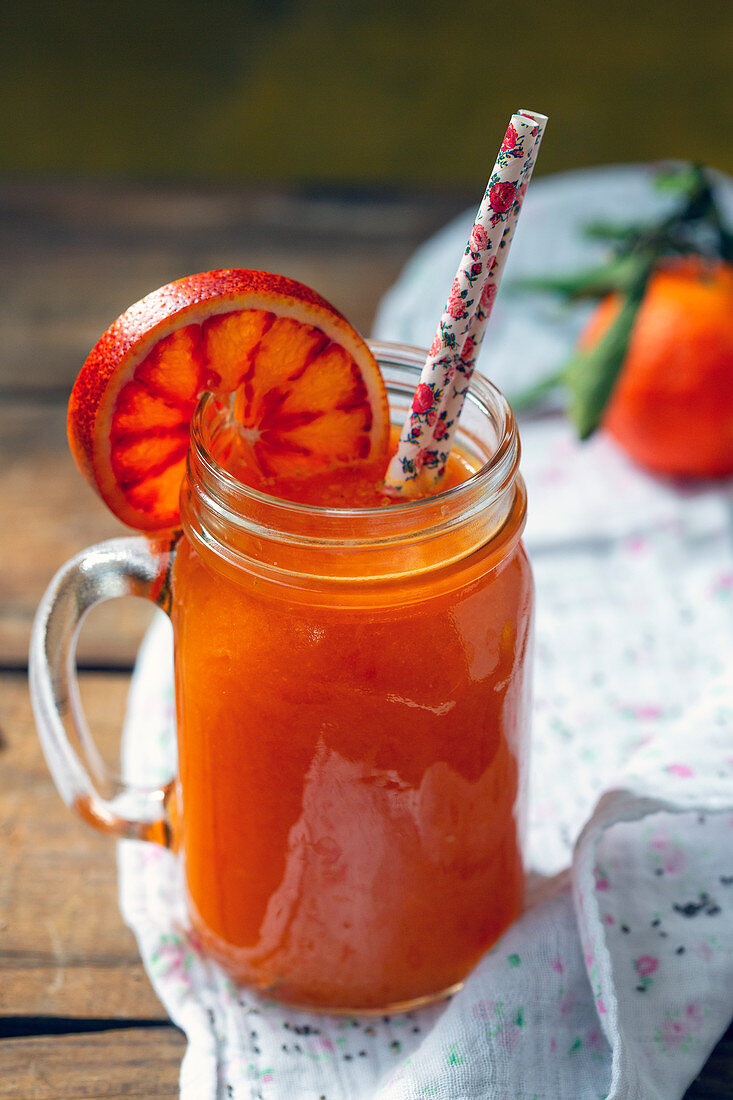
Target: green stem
591	375
525	399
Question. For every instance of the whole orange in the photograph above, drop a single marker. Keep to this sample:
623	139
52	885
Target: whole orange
672	406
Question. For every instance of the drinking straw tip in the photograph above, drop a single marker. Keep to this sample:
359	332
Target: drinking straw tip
427	434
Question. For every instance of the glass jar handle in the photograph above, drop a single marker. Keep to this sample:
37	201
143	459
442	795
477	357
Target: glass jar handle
120	567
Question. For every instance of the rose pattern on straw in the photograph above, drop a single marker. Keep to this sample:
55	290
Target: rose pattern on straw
427	435
487	298
501	197
510	139
456	301
423	399
479	239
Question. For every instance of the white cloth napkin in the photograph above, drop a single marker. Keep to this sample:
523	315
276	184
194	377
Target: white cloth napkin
618	979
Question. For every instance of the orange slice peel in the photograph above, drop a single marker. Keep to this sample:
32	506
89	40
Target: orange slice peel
309	394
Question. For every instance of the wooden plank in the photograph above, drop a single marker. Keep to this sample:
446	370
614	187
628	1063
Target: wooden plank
64	949
75	255
119	990
55	514
141	1062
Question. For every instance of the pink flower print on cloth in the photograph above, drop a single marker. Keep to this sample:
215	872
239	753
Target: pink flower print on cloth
601	878
683	771
172	958
645	966
679	1029
667	855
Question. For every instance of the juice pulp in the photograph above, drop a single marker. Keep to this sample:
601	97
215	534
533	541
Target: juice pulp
351	772
355	486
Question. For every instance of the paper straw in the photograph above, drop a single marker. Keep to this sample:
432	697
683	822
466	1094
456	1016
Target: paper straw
455	395
477	325
427	434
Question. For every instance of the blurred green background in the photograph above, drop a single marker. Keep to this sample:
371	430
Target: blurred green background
378	93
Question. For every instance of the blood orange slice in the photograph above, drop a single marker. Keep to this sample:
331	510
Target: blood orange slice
309	394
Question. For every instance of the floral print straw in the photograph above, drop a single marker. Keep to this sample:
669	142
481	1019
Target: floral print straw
427	435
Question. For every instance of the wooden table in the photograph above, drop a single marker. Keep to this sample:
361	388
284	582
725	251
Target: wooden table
78	1017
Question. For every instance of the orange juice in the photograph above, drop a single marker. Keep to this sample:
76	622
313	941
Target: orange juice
352	694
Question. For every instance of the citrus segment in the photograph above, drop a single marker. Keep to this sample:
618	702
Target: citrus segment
229	341
308	393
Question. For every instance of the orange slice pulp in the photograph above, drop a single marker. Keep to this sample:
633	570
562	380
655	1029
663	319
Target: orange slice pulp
309	394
